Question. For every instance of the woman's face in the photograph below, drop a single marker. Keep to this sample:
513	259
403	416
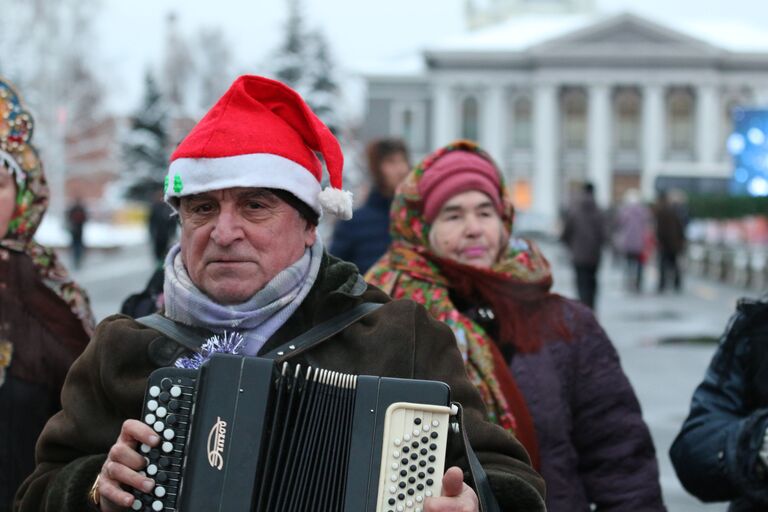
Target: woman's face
7	199
469	230
394	168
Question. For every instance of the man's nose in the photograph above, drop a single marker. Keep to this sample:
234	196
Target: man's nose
228	228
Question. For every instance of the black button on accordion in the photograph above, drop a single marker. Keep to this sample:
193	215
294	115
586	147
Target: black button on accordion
241	434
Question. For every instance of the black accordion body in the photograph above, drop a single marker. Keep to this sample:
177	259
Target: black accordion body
243	434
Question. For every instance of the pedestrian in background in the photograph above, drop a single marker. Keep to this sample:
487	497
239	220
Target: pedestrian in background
670	239
543	365
45	318
364	238
633	227
584	233
77	216
162	226
721	452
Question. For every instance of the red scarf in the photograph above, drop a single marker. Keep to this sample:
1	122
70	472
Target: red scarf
520	306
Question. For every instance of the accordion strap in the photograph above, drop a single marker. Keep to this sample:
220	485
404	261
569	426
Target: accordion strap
192	338
485	495
320	332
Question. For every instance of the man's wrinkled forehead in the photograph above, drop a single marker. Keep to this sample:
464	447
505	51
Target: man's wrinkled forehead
234	192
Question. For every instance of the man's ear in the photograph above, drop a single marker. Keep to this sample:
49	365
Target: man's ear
310	234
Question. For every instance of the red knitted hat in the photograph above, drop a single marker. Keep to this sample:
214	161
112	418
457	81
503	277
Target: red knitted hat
455	172
261	133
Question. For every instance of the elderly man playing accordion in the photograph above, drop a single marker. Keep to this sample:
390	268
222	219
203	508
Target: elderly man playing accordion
246	185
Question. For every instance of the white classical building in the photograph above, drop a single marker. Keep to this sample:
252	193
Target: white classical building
559	98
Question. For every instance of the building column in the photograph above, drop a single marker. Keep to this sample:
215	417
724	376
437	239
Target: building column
443	115
545	142
492	129
653	135
707	124
599	143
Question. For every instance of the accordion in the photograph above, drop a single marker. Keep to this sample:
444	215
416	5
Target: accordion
245	434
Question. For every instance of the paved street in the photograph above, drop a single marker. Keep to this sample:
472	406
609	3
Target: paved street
664	375
110	276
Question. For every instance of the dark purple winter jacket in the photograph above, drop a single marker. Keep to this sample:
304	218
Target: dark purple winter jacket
594	446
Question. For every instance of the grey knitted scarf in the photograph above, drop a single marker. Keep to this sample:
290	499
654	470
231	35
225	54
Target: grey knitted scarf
255	319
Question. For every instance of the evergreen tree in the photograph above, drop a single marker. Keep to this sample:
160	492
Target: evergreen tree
146	147
291	55
323	95
214	56
303	61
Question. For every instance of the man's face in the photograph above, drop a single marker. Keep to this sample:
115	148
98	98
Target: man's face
234	241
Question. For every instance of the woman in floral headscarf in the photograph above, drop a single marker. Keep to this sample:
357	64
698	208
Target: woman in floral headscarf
45	318
542	364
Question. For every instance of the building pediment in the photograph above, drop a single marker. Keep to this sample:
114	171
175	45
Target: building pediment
626	35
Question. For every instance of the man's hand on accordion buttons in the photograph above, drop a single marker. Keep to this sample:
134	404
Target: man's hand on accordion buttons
456	496
121	469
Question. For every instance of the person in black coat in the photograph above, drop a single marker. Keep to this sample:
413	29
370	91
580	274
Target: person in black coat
584	234
365	238
162	227
721	452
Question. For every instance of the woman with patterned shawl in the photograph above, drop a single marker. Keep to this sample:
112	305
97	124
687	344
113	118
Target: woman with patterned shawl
45	318
543	365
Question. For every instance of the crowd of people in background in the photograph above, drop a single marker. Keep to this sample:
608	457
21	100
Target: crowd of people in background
634	231
536	365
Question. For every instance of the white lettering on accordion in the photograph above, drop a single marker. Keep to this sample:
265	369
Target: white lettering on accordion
216	439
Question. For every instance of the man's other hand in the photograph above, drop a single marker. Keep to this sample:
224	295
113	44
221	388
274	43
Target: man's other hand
456	496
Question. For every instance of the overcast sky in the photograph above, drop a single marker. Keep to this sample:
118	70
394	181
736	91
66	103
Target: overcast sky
131	33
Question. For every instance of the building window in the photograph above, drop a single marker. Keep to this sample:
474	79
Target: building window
409	123
680	121
470	118
522	125
574	107
627	120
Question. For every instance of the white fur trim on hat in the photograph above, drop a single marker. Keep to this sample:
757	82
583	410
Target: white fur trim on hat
337	202
188	176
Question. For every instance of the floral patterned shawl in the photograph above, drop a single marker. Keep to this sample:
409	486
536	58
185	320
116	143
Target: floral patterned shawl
410	270
20	158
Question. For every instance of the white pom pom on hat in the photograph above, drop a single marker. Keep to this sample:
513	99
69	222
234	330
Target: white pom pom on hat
261	133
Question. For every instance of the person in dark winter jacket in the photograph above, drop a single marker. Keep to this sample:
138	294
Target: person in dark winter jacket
670	236
584	234
162	227
364	238
45	317
721	452
77	216
543	365
147	301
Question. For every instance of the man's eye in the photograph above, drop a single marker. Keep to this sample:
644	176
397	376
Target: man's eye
253	205
202	208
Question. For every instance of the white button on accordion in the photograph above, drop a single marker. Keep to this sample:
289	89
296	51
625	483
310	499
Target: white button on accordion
241	435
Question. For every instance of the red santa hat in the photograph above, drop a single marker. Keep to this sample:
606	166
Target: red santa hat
261	133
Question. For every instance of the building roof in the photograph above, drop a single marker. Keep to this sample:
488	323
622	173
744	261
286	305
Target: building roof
533	34
524	32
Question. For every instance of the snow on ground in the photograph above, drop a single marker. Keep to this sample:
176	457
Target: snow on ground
97	235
